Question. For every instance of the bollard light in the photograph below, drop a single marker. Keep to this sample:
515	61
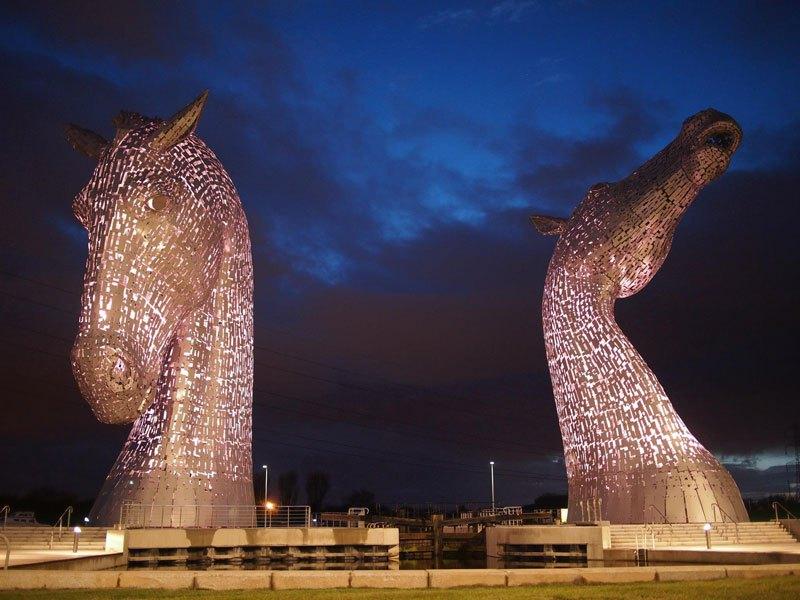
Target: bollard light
707	529
269	506
76	533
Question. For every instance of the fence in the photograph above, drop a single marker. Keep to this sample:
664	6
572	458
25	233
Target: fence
135	515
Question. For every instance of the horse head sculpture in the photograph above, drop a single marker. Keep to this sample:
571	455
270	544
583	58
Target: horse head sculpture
629	456
165	330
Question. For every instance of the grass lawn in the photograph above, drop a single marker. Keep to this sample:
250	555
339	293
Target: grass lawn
721	589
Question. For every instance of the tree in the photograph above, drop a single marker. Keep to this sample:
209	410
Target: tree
287	488
361	498
317	485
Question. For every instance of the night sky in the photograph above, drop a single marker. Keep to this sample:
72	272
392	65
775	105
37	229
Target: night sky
388	155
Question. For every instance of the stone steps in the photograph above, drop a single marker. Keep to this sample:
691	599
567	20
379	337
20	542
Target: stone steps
692	534
38	538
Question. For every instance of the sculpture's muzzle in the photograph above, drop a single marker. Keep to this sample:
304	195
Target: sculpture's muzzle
110	378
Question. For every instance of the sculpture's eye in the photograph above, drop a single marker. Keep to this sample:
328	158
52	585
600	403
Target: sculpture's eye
157	202
723	141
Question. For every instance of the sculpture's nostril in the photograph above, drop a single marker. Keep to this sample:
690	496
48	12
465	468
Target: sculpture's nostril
723	140
120	371
120	376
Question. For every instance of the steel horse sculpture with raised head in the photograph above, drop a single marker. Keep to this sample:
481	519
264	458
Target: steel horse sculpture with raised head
165	335
629	456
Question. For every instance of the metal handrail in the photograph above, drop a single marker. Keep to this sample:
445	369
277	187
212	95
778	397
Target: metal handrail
650	528
138	515
716	507
5	510
776	504
653	507
664	521
8	550
60	524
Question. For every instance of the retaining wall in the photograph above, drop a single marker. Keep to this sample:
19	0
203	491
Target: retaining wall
439	578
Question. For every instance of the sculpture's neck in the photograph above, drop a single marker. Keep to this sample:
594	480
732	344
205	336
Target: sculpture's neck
201	421
210	400
600	381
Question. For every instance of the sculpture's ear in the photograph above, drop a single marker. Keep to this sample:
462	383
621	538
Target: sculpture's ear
549	225
180	126
85	141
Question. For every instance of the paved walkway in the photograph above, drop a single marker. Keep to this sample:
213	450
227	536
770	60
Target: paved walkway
31	557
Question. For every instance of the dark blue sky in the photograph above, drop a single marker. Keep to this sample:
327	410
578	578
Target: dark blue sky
388	154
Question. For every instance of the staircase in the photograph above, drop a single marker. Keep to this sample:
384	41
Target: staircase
38	538
692	534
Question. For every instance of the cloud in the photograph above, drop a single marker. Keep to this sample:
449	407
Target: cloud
555	171
512	10
509	11
554	78
462	15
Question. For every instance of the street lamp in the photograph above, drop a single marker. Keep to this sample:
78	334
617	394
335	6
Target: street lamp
269	506
266	502
491	467
707	529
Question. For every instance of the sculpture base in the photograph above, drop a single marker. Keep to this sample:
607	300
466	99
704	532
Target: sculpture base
173	502
676	495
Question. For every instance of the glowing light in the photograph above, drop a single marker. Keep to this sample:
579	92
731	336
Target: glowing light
269	505
629	456
165	331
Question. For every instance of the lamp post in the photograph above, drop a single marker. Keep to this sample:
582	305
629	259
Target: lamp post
491	467
266	477
76	534
707	529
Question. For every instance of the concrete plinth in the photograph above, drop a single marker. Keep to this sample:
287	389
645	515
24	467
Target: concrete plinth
389	579
690	573
499	539
162	580
310	580
233	580
447	578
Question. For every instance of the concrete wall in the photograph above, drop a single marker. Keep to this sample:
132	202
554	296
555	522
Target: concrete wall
139	539
592	536
442	578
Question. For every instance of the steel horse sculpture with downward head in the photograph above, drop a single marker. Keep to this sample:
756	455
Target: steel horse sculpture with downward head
165	334
629	456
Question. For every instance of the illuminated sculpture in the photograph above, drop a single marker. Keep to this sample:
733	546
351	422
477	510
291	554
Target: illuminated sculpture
165	335
629	456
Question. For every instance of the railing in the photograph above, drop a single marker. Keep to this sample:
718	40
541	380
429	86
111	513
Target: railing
137	516
664	521
789	514
8	551
5	510
716	508
60	524
594	509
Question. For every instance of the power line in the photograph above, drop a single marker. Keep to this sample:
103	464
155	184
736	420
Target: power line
450	462
398	461
415	388
367	415
424	434
38	282
347	385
